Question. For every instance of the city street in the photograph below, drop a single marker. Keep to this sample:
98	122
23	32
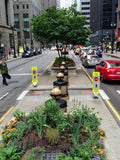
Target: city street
111	89
20	71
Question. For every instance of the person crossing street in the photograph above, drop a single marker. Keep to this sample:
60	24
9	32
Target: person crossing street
4	71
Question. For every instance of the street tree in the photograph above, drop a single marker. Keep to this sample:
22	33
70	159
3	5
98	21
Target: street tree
65	26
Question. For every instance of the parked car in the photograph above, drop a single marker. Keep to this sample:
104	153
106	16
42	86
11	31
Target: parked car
26	54
91	60
35	51
39	51
109	70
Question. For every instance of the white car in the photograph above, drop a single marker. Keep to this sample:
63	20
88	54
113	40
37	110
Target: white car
53	48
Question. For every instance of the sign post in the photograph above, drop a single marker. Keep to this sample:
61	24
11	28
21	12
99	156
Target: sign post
34	76
96	82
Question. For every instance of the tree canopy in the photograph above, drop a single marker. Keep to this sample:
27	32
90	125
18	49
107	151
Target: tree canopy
65	26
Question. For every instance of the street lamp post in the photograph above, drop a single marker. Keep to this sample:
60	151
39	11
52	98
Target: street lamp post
113	26
14	56
112	37
25	36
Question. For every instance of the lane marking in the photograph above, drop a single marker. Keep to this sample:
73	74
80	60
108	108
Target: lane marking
86	73
4	96
22	95
44	71
103	94
118	91
112	108
3	117
107	98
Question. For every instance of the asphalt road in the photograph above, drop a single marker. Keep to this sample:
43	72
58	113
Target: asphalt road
20	71
111	88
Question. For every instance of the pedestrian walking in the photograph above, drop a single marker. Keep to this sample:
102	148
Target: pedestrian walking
4	72
9	52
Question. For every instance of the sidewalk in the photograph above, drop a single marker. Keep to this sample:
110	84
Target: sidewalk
115	54
80	91
11	58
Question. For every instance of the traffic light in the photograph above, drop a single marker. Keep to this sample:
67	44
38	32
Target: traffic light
103	39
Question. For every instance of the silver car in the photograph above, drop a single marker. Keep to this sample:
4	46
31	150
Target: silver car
90	60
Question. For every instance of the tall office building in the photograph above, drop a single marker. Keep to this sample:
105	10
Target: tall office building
101	12
7	38
58	4
117	34
24	10
47	3
85	9
67	4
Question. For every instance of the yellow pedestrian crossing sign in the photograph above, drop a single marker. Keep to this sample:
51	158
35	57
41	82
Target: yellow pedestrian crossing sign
96	81
34	75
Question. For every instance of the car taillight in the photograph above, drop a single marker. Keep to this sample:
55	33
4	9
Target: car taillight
88	60
108	70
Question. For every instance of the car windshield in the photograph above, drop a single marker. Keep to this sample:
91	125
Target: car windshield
112	65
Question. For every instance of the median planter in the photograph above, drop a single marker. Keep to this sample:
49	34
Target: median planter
75	135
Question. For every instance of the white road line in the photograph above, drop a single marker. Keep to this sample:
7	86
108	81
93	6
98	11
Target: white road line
22	95
4	96
118	91
103	94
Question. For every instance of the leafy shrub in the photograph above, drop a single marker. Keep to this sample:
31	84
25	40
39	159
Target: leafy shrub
52	136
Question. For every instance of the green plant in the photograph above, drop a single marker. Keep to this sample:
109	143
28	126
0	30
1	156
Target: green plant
19	115
10	152
31	155
76	134
52	136
38	120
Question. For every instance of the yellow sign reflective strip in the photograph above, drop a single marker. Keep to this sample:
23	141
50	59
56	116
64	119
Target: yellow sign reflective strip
96	81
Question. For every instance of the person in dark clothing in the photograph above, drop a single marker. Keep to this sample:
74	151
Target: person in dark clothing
4	71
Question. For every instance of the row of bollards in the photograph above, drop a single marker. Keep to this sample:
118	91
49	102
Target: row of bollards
60	90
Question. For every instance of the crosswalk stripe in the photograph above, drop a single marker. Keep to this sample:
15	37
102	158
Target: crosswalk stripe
103	94
22	95
118	91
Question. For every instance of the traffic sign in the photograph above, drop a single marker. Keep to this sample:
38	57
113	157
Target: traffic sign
34	76
96	82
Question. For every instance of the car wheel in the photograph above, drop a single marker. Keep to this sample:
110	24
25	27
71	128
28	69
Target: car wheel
101	78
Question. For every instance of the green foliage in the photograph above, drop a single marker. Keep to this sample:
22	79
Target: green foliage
10	152
65	25
55	116
38	120
19	115
52	136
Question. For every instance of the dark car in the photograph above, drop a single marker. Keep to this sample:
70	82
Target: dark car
35	51
39	51
26	54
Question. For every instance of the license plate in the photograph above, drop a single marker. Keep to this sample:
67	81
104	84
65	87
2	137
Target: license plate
118	72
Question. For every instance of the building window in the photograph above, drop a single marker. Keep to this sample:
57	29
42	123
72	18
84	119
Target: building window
17	6
85	3
26	33
25	15
23	6
85	8
27	6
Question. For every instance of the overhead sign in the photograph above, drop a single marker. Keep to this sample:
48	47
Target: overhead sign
34	75
96	82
